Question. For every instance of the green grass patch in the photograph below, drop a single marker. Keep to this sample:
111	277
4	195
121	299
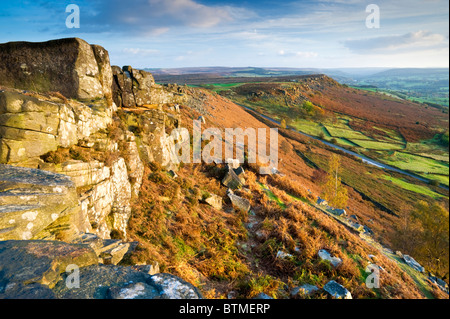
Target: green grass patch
272	196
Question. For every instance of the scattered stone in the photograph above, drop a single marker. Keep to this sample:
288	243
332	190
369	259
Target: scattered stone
233	163
356	226
232	181
325	255
367	230
339	212
114	255
240	173
283	255
173	175
413	263
240	203
214	201
152	269
337	291
304	290
440	283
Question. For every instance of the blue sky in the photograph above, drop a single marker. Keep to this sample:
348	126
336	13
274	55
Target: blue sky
264	33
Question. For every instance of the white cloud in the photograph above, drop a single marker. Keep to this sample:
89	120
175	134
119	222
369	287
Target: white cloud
299	54
138	51
412	41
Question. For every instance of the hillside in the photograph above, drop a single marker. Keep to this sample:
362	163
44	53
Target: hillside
93	179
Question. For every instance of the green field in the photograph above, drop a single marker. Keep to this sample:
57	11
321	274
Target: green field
375	145
417	163
347	133
412	187
440	178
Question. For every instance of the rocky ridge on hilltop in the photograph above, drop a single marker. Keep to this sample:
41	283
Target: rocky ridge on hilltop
70	168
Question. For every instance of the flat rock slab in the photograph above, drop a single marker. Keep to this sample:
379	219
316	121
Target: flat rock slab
39	262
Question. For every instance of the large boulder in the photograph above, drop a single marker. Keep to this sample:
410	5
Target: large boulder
71	66
58	270
36	204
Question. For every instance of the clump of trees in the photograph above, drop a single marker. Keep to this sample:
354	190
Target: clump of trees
333	191
306	110
424	234
444	139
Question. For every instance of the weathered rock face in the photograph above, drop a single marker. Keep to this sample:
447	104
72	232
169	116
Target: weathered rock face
38	204
133	88
31	127
153	143
69	66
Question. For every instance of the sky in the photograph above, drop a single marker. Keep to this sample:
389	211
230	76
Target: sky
258	33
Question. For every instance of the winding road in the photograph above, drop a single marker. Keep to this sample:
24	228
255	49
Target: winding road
362	157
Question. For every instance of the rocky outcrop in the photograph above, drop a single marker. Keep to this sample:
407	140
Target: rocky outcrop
136	88
70	166
71	67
